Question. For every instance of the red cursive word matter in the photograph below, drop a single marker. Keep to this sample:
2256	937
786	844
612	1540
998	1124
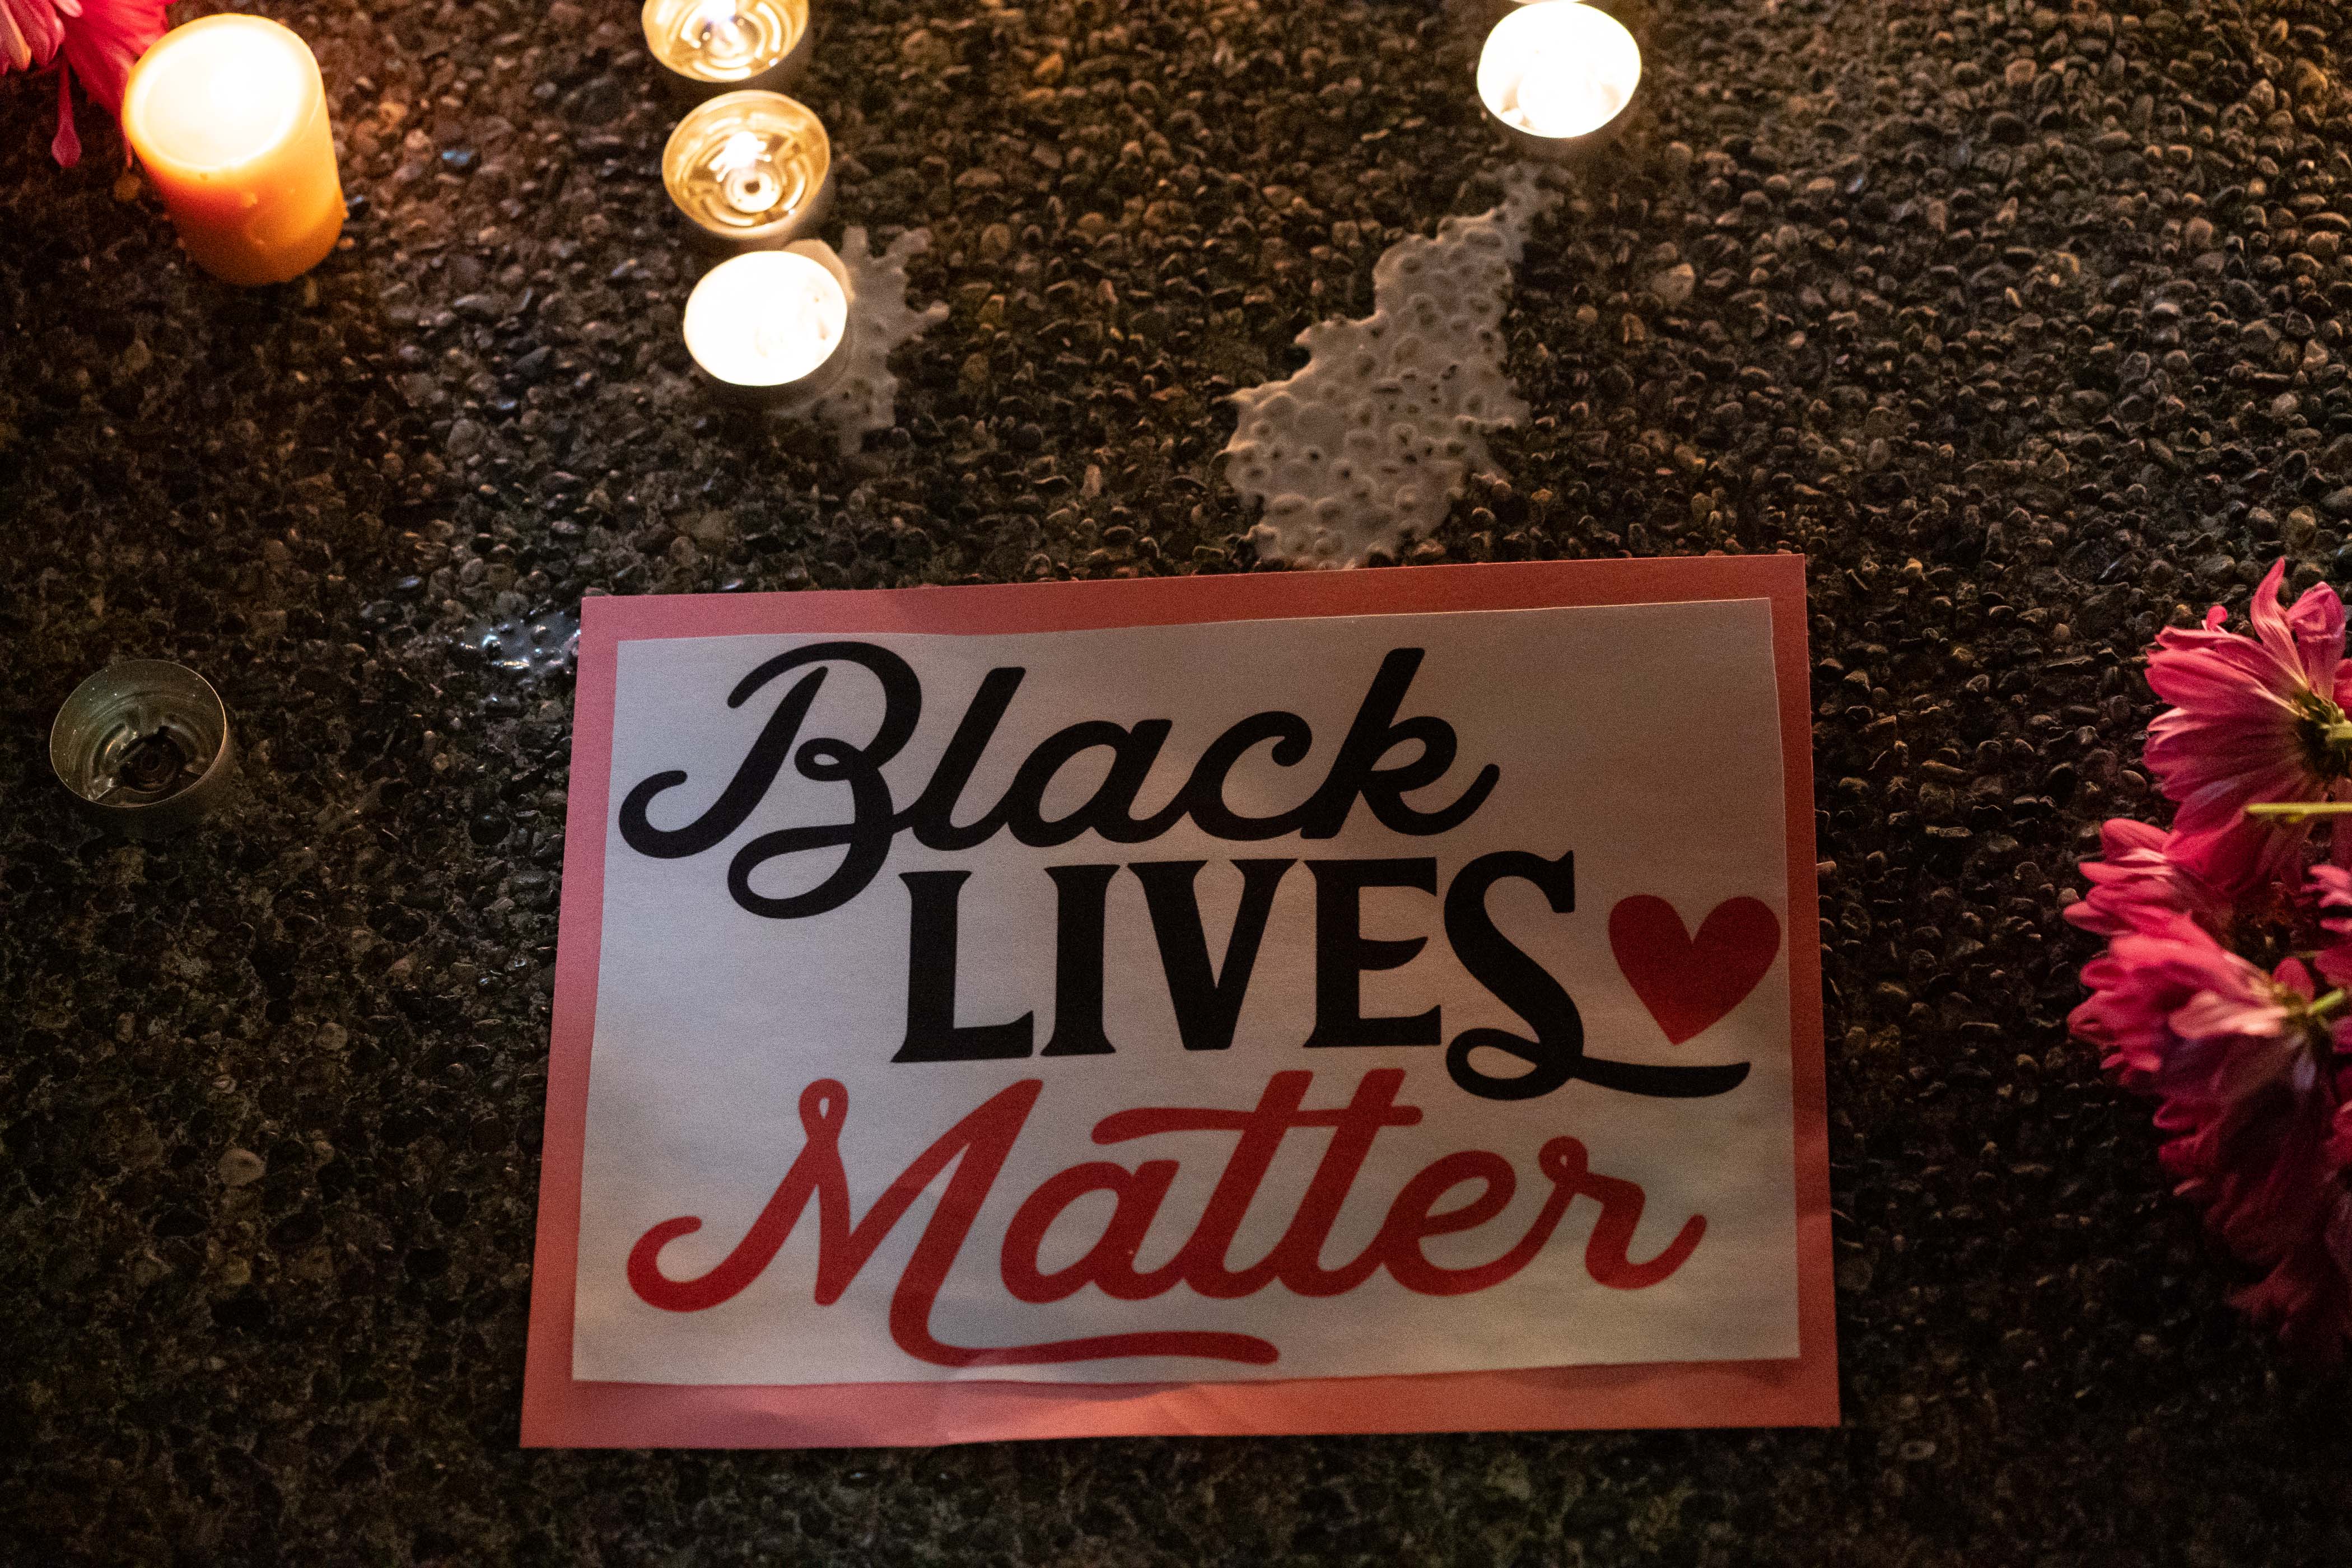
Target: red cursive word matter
978	1146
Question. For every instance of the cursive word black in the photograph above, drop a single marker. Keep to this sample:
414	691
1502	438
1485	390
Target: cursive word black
1356	772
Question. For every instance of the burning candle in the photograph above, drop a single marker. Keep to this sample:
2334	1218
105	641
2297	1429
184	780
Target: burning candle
1557	75
715	46
770	325
749	170
228	117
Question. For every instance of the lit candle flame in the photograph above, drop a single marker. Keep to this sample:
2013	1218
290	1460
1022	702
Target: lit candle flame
727	43
741	151
766	319
1559	69
720	25
1560	96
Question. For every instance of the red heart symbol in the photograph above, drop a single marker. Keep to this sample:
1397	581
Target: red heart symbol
1686	983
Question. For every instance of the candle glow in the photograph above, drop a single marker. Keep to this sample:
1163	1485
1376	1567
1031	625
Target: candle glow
1557	70
228	117
767	322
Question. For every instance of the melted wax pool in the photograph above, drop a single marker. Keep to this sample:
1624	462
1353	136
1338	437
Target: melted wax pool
536	648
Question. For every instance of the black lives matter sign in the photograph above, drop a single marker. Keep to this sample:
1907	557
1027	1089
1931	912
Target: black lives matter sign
1241	1001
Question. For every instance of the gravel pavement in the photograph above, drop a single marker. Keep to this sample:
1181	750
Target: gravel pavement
2021	322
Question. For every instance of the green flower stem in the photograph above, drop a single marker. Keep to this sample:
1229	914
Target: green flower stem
2296	810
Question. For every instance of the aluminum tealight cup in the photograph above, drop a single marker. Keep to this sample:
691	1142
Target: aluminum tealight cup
749	171
144	748
724	46
1559	79
772	329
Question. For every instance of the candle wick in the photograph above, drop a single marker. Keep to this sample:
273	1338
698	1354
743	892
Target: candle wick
722	27
741	151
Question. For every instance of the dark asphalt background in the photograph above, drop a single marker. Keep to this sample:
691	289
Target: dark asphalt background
2022	322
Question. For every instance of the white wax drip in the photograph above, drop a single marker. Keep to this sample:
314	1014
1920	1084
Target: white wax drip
1369	446
865	397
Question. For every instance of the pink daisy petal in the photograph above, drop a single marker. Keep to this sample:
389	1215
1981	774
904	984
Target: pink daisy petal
66	145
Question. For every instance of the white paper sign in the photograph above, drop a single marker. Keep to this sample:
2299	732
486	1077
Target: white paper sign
1317	997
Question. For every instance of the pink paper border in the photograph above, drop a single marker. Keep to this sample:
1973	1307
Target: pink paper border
559	1411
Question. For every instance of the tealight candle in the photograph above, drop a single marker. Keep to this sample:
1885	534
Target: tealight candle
145	748
749	170
716	46
1557	75
769	326
228	118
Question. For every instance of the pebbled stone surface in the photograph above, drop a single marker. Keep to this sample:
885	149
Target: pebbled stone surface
2024	322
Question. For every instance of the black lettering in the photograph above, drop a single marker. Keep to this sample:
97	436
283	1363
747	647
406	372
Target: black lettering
1556	1055
825	759
1376	731
933	1033
1204	793
1080	894
1133	753
1343	953
1208	1002
1358	772
1519	982
932	817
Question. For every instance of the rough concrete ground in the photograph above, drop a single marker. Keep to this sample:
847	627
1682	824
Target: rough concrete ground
2022	321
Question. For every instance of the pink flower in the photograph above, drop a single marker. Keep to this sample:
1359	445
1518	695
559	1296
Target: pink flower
2161	995
2252	719
2139	886
2331	887
100	41
2308	1296
2248	1082
31	32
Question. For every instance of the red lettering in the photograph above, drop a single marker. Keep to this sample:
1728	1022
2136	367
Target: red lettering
1620	1210
1110	1262
1414	1215
977	1146
1295	1259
